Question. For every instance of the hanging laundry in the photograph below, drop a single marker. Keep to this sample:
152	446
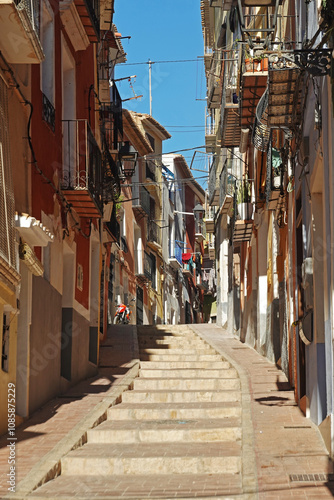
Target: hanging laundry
186	257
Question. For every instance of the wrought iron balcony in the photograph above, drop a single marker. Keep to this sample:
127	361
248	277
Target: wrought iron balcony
114	229
82	182
214	182
230	115
243	224
151	176
175	257
200	231
274	179
140	201
153	235
49	114
253	84
19	27
214	84
112	119
188	269
227	189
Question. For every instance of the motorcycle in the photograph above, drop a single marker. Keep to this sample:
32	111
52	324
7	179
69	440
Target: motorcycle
123	314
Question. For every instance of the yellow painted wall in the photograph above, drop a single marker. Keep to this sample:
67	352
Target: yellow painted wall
7	302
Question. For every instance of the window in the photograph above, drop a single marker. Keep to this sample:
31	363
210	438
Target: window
7	228
47	66
5	343
151	141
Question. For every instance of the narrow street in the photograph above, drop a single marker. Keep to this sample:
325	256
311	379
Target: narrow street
206	417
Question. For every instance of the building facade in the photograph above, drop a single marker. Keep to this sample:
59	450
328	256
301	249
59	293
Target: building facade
270	112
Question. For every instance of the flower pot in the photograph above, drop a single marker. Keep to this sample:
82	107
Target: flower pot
245	210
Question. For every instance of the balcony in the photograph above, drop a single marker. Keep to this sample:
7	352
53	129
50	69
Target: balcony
209	221
188	269
114	230
82	183
230	115
112	119
286	91
19	27
214	86
200	231
140	201
153	235
274	179
151	176
253	84
175	258
243	225
227	190
214	183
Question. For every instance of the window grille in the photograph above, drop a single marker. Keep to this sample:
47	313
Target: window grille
7	208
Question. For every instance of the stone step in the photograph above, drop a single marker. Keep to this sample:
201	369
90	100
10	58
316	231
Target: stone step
179	396
183	352
168	411
224	373
179	357
170	365
165	336
164	431
172	343
140	486
164	458
205	384
176	330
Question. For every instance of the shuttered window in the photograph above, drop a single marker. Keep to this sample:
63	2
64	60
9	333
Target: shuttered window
7	223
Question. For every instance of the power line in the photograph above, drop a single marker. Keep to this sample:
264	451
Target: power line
162	62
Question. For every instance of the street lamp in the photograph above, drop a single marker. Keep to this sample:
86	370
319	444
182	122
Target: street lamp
128	159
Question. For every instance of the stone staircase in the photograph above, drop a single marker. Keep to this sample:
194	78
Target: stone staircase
177	434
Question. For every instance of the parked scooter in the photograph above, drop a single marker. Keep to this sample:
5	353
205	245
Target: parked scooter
123	314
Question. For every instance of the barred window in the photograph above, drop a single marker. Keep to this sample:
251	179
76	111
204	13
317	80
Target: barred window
7	223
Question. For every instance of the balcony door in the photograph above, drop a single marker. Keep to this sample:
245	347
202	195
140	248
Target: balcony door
68	113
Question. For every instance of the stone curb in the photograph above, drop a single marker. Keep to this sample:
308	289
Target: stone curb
50	465
249	471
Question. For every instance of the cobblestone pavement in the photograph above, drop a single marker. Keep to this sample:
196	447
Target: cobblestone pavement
283	452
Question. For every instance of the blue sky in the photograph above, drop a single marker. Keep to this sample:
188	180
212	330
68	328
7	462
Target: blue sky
166	31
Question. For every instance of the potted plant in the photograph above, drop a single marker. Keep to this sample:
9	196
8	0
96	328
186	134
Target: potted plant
245	207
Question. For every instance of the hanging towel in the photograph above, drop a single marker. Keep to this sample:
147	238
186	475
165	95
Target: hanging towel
186	257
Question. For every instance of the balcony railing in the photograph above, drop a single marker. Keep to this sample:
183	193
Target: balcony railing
112	119
114	229
274	180
200	231
153	233
19	27
214	84
149	270
82	181
213	182
49	114
230	116
140	201
227	188
175	256
151	170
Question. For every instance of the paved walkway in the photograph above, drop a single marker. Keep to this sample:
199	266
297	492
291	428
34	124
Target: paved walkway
291	459
62	423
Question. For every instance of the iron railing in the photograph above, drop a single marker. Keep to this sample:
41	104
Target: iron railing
48	113
151	170
113	227
200	228
82	167
227	183
32	7
213	177
112	119
141	198
153	232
